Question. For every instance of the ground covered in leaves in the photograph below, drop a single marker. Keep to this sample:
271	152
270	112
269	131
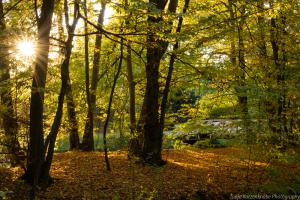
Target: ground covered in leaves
189	174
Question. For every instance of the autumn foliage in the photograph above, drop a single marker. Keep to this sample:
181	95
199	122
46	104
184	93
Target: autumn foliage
189	174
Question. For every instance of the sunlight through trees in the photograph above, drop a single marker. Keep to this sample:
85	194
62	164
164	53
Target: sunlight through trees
148	77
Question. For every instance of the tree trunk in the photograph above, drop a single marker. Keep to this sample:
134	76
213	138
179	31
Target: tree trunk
237	58
89	123
50	141
232	24
275	38
36	135
131	84
73	135
152	136
7	113
267	76
134	143
155	50
73	123
109	106
242	91
134	148
163	106
88	139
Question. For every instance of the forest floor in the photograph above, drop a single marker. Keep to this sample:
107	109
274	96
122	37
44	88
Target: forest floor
188	174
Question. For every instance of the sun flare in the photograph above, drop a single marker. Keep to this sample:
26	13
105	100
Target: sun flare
26	48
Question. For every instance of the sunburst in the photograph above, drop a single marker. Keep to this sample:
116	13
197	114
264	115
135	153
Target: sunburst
26	48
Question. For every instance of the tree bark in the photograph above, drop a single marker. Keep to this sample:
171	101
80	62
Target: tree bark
41	175
36	134
50	141
156	48
73	134
134	143
7	114
73	123
131	84
88	139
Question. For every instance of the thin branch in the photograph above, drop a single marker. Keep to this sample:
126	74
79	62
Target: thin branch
190	65
11	8
101	30
57	39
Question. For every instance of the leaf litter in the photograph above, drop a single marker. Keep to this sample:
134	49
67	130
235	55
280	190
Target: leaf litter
188	174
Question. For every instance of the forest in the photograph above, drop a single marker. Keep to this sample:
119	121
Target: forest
149	99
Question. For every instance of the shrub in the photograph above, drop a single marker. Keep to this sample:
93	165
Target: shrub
203	144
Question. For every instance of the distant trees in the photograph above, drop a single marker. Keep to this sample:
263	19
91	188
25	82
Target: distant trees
259	53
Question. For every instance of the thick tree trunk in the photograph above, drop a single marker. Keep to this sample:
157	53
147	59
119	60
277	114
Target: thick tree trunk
36	135
7	113
42	174
152	136
156	48
88	139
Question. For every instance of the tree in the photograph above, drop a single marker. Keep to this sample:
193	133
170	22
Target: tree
36	133
88	140
133	143
238	56
156	47
89	126
65	87
134	147
108	112
166	90
73	135
7	113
